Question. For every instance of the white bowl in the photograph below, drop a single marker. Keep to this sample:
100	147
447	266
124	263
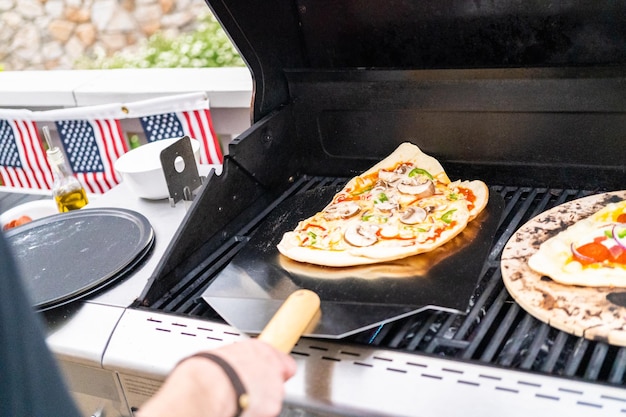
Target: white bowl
141	168
34	209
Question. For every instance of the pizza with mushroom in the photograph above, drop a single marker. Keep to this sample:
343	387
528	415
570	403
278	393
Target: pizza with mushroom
403	206
590	252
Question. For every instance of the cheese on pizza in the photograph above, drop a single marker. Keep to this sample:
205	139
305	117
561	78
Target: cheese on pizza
403	206
591	252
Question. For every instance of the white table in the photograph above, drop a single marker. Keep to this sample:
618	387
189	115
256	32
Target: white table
84	333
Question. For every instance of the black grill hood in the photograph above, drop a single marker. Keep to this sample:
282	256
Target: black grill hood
513	93
363	35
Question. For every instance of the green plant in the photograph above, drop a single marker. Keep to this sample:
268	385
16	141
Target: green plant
207	46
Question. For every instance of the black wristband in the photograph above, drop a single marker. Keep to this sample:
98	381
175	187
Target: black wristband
240	390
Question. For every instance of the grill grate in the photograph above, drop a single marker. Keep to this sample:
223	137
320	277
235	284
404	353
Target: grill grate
495	330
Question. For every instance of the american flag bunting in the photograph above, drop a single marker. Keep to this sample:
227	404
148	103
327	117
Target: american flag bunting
177	116
195	124
23	162
91	147
92	138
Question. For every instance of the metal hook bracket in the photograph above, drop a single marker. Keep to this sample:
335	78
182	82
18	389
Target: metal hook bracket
180	170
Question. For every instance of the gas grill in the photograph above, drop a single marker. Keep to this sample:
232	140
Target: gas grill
528	97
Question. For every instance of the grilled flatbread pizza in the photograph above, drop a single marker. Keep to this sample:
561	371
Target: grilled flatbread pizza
403	206
590	252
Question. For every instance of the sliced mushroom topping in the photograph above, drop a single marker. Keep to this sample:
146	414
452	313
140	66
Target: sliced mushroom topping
386	206
343	210
413	215
388	177
380	187
420	190
361	234
403	169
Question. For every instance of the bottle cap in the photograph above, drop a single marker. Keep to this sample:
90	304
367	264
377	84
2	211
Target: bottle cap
55	156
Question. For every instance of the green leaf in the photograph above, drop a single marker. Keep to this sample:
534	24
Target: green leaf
207	46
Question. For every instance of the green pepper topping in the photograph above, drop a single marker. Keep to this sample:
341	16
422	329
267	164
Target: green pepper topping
420	171
370	217
364	190
447	216
382	197
415	229
621	234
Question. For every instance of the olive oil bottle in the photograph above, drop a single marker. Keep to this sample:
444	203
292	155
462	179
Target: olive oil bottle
67	191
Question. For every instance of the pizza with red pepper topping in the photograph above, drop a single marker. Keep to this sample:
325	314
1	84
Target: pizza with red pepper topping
403	206
590	252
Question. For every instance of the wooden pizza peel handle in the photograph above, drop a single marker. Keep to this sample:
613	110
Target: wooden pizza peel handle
291	320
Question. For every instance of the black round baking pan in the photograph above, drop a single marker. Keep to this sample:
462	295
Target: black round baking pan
67	256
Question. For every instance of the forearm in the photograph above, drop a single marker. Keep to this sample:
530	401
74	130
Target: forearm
197	387
200	387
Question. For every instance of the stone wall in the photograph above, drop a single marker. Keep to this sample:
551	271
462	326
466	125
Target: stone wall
52	34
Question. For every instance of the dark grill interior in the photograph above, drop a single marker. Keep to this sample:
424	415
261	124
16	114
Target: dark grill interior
496	330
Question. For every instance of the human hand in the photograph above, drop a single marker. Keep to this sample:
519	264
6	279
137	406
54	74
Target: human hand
199	387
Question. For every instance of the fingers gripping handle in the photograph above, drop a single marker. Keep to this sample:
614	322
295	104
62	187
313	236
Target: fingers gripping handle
291	320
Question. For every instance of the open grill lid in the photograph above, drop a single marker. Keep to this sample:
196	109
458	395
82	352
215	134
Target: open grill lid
475	85
276	36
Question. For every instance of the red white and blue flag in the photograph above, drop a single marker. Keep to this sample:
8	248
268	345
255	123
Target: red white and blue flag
92	146
196	124
23	162
92	138
177	116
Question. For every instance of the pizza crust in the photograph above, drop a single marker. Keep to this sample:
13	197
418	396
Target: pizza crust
289	247
481	192
408	267
392	249
407	152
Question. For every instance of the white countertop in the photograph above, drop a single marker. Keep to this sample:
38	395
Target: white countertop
164	220
83	334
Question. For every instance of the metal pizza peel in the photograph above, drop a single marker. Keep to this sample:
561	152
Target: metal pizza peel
256	282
